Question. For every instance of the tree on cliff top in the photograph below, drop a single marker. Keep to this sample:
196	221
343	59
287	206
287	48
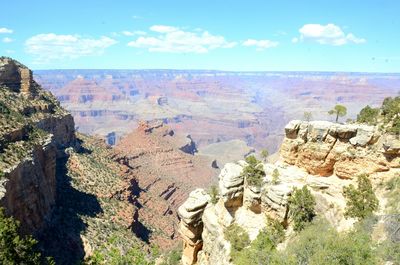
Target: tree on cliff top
339	111
254	171
368	115
15	249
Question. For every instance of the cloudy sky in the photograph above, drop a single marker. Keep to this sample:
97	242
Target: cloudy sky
351	35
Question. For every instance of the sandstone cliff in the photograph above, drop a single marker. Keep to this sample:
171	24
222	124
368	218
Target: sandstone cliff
325	148
320	155
34	132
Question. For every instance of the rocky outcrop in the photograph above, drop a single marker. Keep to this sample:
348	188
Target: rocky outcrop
325	148
250	207
310	149
191	225
33	134
16	77
231	185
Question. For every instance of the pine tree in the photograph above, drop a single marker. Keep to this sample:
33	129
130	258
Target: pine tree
361	201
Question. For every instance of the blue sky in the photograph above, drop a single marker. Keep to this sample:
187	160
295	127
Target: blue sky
224	35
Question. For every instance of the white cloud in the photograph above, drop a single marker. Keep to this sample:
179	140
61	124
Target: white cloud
176	40
6	30
7	40
329	34
260	44
46	47
163	28
133	33
295	40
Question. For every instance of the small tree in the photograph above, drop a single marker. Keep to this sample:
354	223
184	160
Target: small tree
301	207
254	171
214	194
307	115
361	201
339	111
275	176
15	249
237	236
264	154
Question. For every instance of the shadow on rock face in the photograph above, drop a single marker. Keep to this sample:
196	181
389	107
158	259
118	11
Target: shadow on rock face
61	237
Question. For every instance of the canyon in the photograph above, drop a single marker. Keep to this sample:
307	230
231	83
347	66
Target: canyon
74	192
124	159
249	108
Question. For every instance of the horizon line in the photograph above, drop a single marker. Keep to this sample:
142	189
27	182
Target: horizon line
214	70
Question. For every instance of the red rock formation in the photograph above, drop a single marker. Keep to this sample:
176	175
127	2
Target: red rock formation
159	178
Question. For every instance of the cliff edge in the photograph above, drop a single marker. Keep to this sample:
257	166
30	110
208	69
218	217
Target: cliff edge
34	131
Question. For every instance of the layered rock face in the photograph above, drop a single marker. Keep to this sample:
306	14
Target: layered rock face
34	131
159	177
310	150
191	225
203	229
213	106
325	148
16	77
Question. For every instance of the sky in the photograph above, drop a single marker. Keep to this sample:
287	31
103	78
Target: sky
346	36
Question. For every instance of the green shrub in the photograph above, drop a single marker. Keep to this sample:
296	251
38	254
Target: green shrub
114	256
368	115
361	201
395	125
393	195
16	249
321	244
301	207
275	176
253	172
263	249
237	236
173	258
390	107
264	154
214	194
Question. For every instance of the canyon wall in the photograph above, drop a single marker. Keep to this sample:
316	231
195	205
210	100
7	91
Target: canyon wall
211	106
34	132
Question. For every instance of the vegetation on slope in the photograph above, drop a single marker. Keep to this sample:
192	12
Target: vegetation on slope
94	214
387	116
17	249
316	241
301	207
361	201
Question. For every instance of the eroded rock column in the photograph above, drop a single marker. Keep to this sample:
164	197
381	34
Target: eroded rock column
191	224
